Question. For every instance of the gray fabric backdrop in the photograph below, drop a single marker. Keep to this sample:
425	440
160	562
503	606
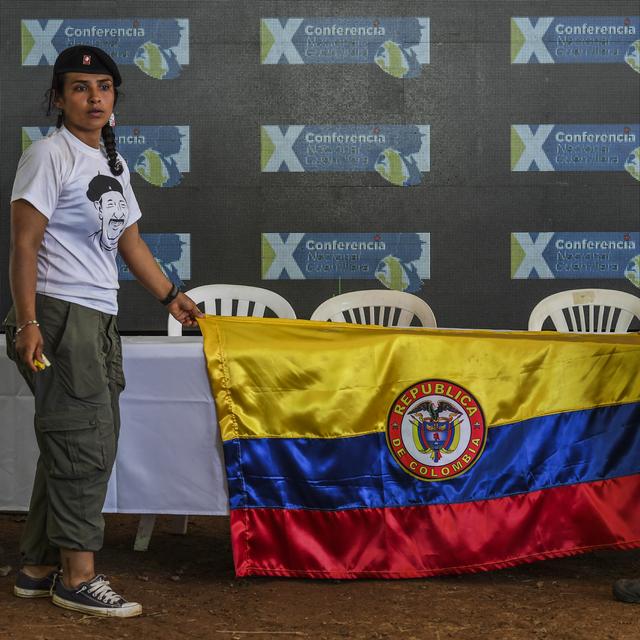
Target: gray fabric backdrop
470	202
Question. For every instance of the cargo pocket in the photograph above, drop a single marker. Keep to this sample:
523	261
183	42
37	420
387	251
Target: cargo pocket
74	447
78	360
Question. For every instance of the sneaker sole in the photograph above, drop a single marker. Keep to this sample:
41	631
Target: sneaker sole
130	612
622	597
31	593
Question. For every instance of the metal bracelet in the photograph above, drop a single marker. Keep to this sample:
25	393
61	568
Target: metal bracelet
24	326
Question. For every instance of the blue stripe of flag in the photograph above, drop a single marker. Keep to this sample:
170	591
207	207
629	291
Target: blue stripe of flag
358	472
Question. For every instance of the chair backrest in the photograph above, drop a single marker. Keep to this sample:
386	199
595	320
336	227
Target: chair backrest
587	311
376	306
235	300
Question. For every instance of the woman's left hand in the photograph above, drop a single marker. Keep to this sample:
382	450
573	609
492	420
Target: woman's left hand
184	310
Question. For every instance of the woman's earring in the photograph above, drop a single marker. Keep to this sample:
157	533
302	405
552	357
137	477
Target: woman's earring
112	120
60	119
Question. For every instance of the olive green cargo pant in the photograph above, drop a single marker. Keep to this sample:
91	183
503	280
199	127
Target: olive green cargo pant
77	422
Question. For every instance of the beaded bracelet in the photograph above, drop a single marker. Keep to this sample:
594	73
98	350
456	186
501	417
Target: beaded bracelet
25	325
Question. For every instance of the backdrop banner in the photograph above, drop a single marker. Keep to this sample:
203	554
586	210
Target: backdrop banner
359	451
479	154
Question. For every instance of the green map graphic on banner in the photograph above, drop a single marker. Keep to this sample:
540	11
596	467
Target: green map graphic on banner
399	153
172	253
576	40
573	254
400	261
399	45
576	147
158	154
159	47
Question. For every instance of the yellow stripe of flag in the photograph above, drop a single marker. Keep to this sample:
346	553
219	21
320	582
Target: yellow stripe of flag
302	379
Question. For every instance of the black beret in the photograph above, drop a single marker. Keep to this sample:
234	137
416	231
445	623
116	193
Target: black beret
100	185
85	59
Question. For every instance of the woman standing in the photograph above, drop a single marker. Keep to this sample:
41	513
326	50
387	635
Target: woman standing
72	210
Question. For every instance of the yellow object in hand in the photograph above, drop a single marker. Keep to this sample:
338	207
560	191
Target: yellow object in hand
42	365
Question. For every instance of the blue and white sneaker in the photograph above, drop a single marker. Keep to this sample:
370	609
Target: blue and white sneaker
96	598
28	587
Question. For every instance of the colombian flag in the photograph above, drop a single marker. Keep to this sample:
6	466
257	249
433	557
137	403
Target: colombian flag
370	452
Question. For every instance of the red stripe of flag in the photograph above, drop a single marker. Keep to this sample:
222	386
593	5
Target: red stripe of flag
412	542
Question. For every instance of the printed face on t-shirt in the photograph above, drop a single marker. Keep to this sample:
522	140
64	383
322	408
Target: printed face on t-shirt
113	211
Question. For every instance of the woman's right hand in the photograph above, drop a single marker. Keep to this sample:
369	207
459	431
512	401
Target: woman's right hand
29	345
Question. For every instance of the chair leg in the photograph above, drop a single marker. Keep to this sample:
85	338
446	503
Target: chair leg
145	530
179	525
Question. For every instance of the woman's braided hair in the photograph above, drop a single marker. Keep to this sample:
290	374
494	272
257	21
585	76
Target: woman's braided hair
109	139
108	136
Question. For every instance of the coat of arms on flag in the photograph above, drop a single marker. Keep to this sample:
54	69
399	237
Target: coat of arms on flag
436	430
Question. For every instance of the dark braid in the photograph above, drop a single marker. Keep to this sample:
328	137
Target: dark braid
108	136
109	139
57	87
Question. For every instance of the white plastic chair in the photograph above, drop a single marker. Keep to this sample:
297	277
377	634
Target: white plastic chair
376	306
587	311
235	300
222	300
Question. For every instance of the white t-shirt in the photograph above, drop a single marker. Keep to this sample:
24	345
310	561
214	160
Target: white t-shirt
88	208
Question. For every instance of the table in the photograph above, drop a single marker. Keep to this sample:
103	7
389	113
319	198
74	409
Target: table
169	459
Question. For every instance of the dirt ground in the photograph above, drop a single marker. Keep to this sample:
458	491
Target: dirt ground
188	589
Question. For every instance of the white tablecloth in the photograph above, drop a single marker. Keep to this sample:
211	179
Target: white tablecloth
169	457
